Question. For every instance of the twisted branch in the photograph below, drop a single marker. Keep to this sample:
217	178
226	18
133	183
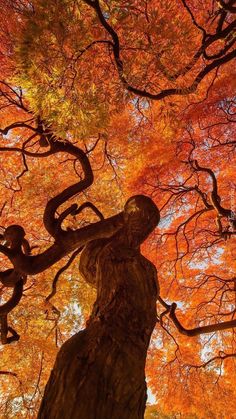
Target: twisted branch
17	248
50	221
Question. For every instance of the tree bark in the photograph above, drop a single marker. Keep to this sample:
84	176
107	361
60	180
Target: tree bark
100	372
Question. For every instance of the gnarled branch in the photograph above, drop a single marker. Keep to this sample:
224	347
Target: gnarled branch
50	221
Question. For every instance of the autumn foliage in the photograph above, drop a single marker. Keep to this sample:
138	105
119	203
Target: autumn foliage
146	90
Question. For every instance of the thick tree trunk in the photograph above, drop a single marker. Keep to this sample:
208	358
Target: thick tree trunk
99	372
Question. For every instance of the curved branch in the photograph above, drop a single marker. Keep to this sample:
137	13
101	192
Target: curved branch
5	329
58	274
193	18
219	357
31	265
14	300
13	374
14	237
9	278
66	241
206	42
50	221
202	329
197	330
74	210
52	224
188	89
5	309
215	199
220	53
5	130
92	207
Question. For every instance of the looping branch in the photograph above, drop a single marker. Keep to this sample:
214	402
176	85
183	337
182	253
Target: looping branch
92	207
65	241
52	223
17	248
74	210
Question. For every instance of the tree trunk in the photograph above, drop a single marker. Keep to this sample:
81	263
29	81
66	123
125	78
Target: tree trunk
100	372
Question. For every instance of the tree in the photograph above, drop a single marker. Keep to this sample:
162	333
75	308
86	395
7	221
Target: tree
138	93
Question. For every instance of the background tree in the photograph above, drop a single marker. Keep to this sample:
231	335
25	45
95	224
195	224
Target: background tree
145	89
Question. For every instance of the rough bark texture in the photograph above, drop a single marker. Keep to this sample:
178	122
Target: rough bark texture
99	372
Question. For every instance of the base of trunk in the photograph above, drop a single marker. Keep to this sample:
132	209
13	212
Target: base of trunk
96	378
99	372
